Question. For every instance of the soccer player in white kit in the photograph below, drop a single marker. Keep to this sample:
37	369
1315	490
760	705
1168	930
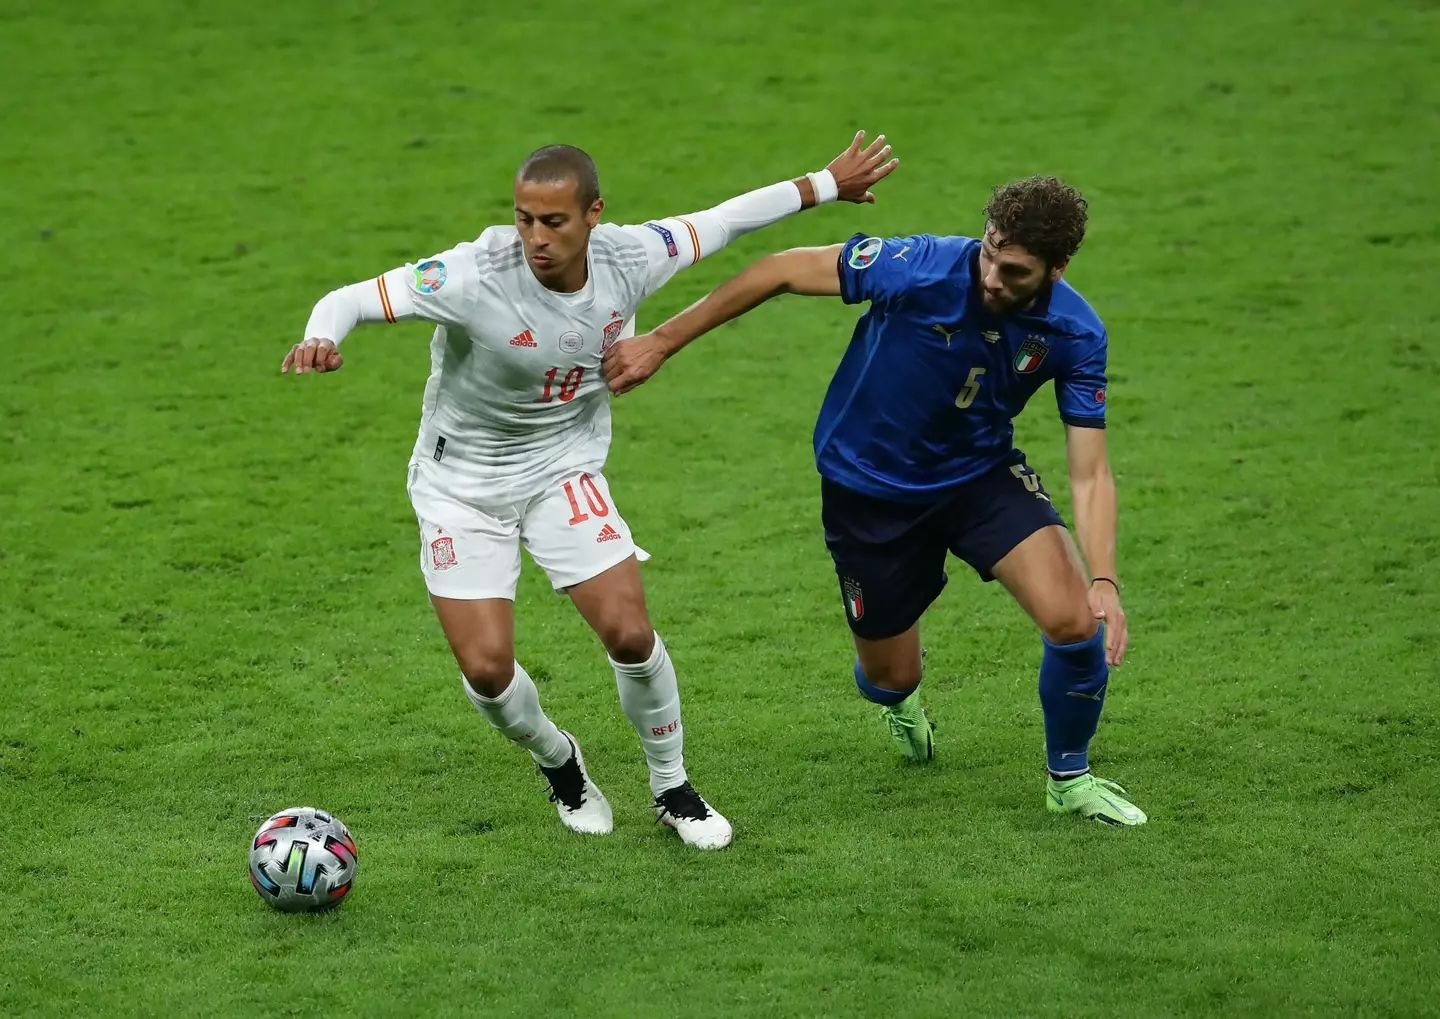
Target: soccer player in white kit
515	430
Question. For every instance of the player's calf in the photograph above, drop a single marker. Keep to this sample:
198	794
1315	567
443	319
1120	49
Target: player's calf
516	714
905	718
650	697
1073	680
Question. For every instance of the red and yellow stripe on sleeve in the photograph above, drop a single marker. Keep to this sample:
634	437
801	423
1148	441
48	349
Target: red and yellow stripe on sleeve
694	238
385	299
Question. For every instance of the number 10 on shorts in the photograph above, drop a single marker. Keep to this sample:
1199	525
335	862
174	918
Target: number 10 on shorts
593	499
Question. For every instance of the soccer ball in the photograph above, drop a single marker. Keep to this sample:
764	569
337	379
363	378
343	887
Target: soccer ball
303	860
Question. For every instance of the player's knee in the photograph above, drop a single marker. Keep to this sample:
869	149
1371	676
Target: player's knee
1072	626
486	673
630	642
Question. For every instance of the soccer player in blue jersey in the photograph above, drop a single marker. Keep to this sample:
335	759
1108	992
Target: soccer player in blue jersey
915	449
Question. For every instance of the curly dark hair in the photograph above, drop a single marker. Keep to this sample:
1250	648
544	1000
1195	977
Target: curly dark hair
1043	215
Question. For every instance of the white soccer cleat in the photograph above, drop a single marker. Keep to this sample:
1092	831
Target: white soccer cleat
696	822
579	802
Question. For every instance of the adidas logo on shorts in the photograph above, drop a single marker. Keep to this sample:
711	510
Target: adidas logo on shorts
608	533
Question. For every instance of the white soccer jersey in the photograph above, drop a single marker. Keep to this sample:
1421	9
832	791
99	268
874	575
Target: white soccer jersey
516	395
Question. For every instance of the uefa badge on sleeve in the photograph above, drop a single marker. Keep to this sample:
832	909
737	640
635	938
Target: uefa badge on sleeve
430	276
863	255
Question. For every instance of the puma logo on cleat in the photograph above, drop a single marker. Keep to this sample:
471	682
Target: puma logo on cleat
608	533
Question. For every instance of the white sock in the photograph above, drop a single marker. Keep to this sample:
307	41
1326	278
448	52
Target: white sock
650	695
517	714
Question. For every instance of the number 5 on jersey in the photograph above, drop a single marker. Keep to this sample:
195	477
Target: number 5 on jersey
970	390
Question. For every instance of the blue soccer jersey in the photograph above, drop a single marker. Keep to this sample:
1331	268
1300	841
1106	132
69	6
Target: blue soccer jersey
926	395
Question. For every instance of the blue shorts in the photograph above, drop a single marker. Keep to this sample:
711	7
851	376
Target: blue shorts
890	556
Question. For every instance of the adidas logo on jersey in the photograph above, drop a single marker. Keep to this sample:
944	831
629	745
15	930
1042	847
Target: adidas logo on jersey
608	533
525	339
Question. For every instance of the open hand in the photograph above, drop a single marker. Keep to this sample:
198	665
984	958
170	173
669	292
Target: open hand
858	168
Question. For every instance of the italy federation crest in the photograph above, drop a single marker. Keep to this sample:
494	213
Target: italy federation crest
854	600
1032	352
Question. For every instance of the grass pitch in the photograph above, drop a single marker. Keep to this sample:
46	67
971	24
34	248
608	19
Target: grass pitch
209	607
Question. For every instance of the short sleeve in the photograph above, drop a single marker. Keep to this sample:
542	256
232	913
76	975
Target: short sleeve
1080	390
876	270
439	289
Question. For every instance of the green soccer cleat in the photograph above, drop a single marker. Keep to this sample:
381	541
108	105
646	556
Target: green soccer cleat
1094	798
911	729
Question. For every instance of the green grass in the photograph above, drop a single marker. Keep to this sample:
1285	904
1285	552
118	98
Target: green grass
209	608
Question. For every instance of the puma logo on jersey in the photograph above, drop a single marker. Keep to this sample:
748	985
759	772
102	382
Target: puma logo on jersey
901	254
947	333
608	533
525	339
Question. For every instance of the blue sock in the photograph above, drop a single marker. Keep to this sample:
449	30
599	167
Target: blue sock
1072	694
870	692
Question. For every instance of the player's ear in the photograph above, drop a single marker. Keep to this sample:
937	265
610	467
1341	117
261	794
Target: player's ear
1058	271
592	216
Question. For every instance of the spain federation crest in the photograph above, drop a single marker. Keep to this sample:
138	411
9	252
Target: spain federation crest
612	331
1032	352
442	552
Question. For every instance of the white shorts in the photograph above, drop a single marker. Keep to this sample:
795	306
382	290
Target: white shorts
470	546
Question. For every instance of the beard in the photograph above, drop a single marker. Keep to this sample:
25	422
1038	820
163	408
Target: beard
1006	303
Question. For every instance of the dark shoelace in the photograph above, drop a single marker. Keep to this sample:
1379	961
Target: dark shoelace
567	783
682	802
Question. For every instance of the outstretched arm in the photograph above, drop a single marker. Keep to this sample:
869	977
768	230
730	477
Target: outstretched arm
678	242
812	272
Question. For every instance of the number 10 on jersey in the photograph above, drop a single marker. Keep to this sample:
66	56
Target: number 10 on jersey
569	385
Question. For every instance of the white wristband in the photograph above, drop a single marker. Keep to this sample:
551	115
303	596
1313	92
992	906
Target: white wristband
826	190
